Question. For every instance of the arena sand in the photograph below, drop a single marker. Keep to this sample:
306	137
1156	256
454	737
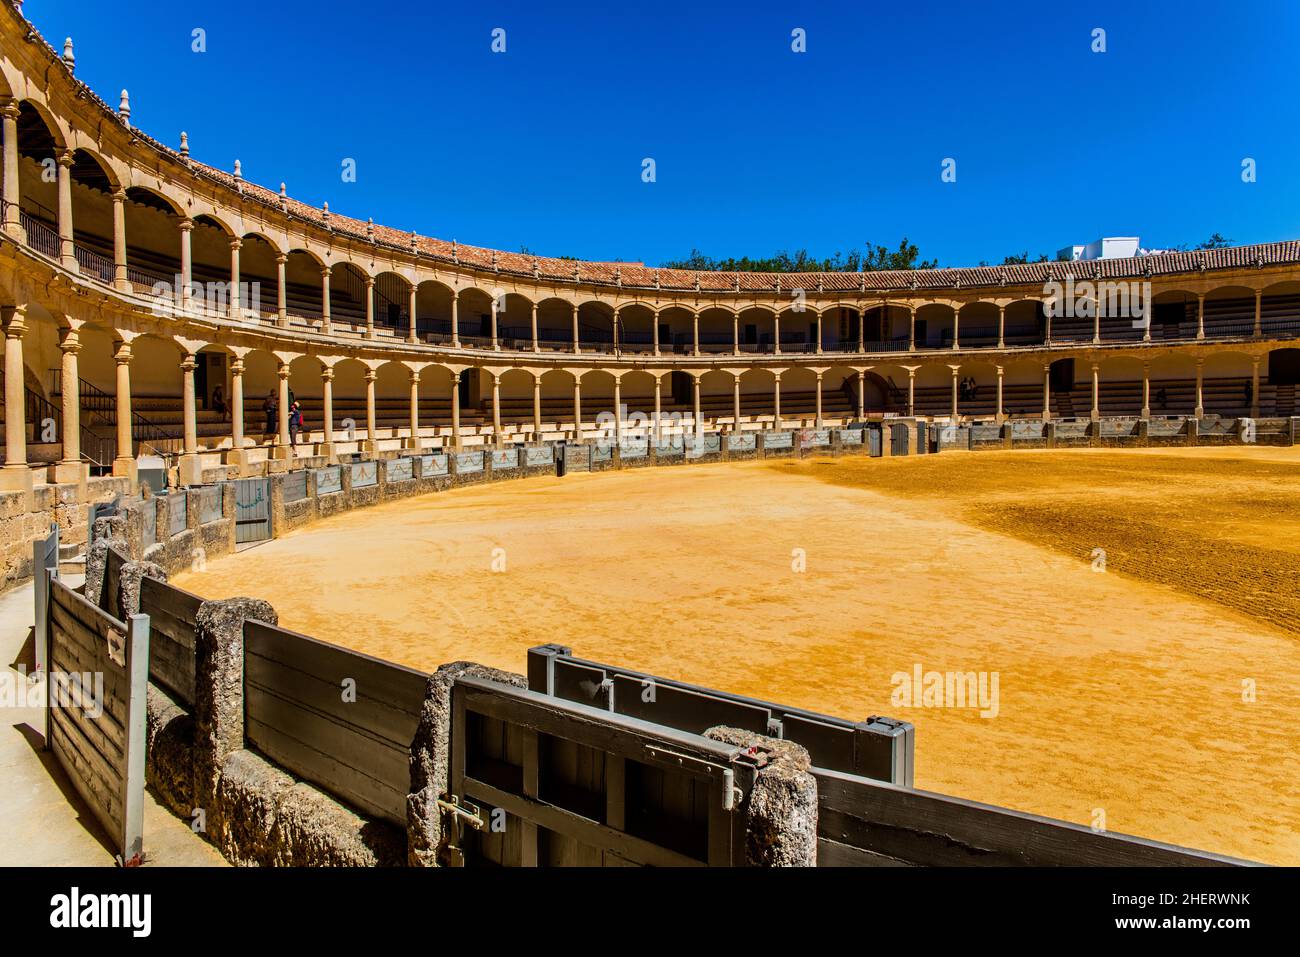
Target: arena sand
1120	691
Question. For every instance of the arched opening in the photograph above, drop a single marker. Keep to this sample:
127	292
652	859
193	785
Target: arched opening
1230	311
304	288
595	328
978	325
756	330
515	322
934	322
39	146
1283	368
1280	309
636	328
153	240
676	330
475	316
348	299
433	311
555	324
92	217
1024	322
392	304
259	272
1173	315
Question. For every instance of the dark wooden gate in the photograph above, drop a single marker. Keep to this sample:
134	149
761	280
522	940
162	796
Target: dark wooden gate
537	781
898	439
252	510
874	444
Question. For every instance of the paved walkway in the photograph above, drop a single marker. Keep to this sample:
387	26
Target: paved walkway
42	820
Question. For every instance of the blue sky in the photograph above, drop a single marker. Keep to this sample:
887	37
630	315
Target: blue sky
757	148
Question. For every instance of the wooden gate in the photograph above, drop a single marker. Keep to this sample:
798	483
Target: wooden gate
875	447
898	438
252	510
536	781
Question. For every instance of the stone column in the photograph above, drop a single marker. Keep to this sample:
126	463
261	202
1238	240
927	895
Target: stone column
911	329
1002	326
818	421
698	420
616	335
1096	321
281	289
15	475
119	241
618	410
236	456
577	342
735	403
1259	309
1254	387
577	408
956	329
911	392
735	334
414	441
67	253
1200	317
413	334
496	343
455	320
455	411
124	461
1000	415
236	300
370	307
776	334
282	420
862	394
496	409
658	430
537	408
862	336
536	345
9	112
1146	390
695	335
819	335
190	469
654	331
955	412
1200	378
371	443
1096	392
70	469
187	263
776	401
1047	392
326	325
327	421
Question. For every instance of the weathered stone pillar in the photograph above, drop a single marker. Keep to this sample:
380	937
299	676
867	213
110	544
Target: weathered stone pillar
1002	326
1000	415
187	263
414	441
281	289
1259	310
735	402
370	307
455	411
67	251
496	343
119	241
1146	390
282	425
654	331
413	334
1047	392
618	409
455	319
776	333
818	420
326	325
371	443
577	407
955	411
658	425
1200	380
819	332
236	455
236	300
537	407
536	344
12	225
1254	387
327	401
124	461
15	474
776	401
862	390
735	333
496	409
1200	317
190	469
911	329
1096	392
698	413
956	329
70	469
695	333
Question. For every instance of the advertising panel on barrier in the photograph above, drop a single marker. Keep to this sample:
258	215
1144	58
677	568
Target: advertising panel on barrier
177	507
814	438
364	474
209	504
329	480
503	459
400	470
742	442
542	456
295	486
601	452
634	448
433	465
850	436
469	462
670	447
778	440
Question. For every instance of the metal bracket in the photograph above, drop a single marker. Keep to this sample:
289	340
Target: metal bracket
731	794
463	812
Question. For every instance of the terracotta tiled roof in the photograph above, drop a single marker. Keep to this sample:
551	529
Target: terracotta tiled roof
640	275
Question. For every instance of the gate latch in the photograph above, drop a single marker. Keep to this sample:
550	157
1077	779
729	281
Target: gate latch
463	812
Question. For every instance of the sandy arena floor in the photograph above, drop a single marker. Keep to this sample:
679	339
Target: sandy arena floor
1119	690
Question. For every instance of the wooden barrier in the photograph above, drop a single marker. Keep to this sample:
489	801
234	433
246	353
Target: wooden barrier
342	720
537	781
45	563
864	823
97	733
172	615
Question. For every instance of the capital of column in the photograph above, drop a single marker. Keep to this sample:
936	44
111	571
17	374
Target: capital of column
326	270
327	375
189	363
65	159
283	370
281	258
371	375
69	341
236	243
455	378
122	355
186	225
9	108
236	366
119	196
415	377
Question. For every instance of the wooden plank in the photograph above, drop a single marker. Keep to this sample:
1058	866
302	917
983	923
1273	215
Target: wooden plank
834	854
924	828
528	828
161	597
84	610
583	830
137	666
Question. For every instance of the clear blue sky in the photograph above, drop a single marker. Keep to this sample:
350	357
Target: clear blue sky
757	148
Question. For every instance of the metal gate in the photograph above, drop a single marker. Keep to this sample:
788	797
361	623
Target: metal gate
898	439
539	782
252	510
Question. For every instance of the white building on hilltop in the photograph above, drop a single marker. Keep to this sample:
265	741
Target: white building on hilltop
1108	247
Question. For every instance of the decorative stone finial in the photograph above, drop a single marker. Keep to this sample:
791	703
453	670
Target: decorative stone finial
370	228
537	269
69	60
656	278
325	213
415	240
185	144
455	252
494	260
124	108
284	197
239	171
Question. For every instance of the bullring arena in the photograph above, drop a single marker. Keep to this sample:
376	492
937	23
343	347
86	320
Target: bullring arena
789	487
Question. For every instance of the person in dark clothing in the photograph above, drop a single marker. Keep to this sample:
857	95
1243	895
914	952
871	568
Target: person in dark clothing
1250	394
295	423
219	402
271	406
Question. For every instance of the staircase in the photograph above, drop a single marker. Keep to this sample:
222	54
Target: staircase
1064	405
1285	400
